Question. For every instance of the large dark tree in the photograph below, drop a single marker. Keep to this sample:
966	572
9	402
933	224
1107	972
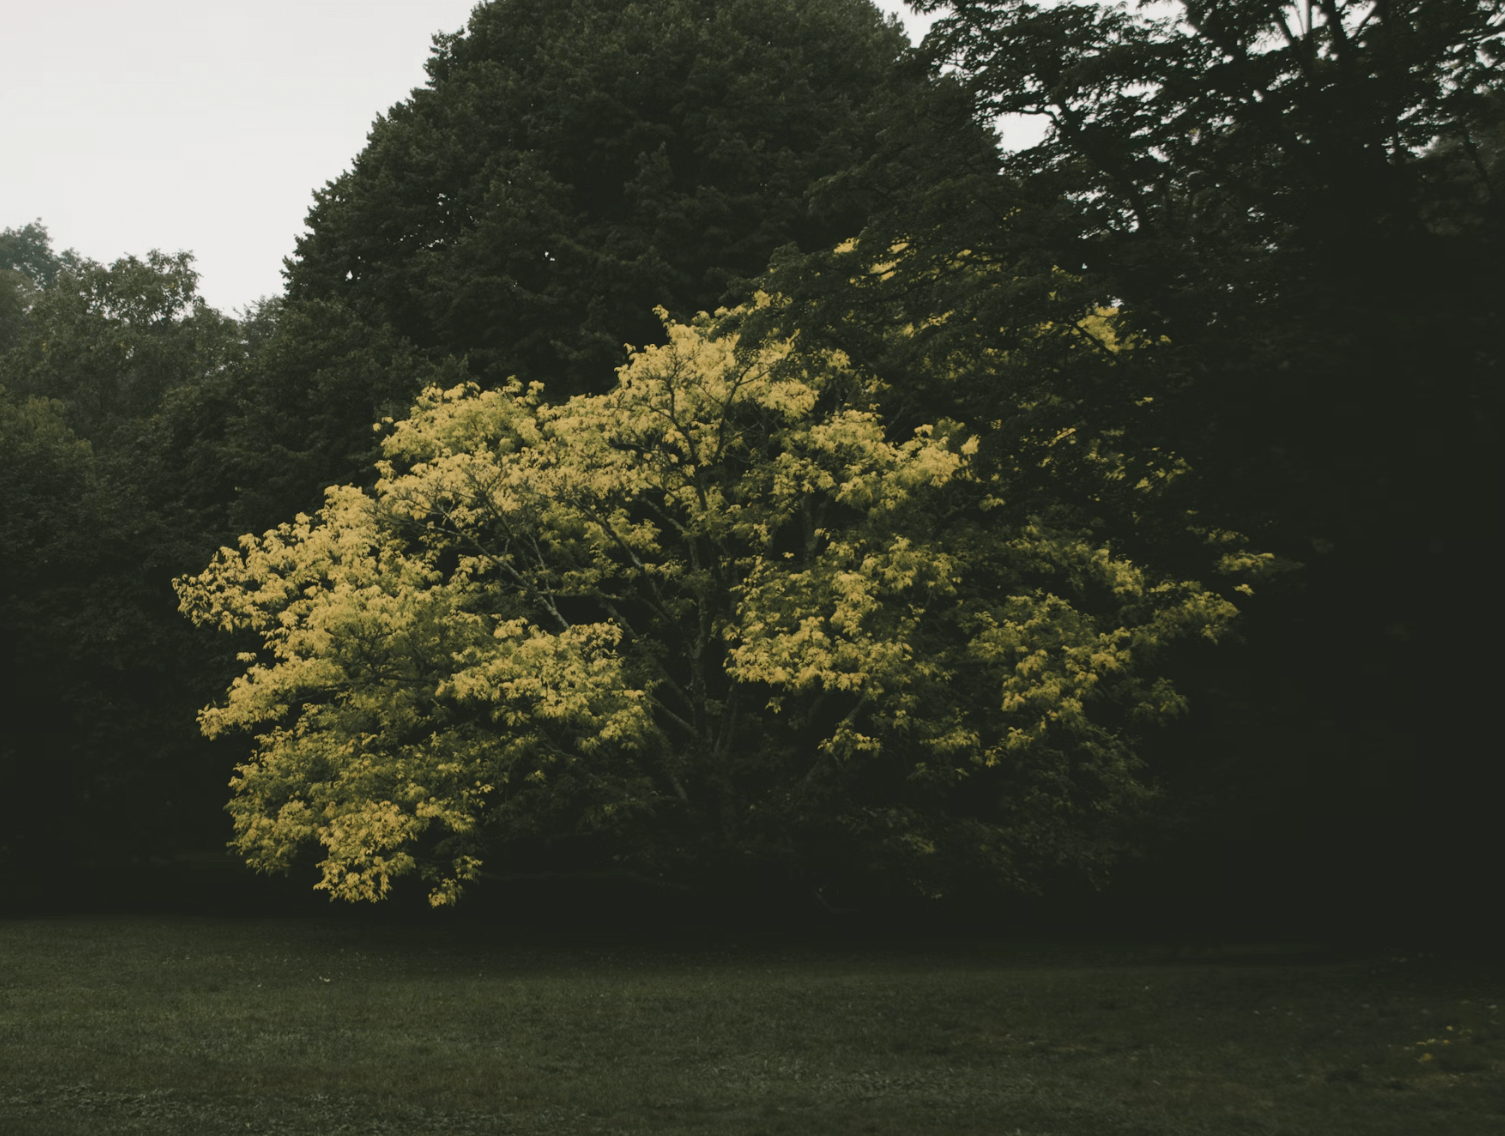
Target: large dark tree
47	475
1295	214
1305	201
571	165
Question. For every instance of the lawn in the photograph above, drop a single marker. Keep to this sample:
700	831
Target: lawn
200	1026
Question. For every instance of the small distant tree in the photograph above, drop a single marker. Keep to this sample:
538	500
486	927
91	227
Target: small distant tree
716	617
112	342
28	250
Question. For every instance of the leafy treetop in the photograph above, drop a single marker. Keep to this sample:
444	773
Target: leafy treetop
1298	205
715	617
570	165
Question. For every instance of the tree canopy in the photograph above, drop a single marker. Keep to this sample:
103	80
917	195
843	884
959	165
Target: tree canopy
27	265
918	573
28	250
571	165
1295	205
111	342
716	615
1294	213
260	441
101	676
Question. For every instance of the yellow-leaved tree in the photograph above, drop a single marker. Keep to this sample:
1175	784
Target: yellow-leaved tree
717	616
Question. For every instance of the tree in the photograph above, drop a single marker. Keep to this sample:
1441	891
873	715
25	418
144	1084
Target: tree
98	762
717	619
111	342
15	298
260	440
27	264
568	166
102	762
1296	211
28	250
46	475
1259	188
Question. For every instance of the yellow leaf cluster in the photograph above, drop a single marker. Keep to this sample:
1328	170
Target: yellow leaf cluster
608	607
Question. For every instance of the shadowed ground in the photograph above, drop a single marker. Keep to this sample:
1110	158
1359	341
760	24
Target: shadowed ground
203	1025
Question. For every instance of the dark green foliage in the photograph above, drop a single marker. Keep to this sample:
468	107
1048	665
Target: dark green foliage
111	342
15	296
259	442
1250	280
571	165
28	250
1299	226
27	264
567	168
98	759
656	153
101	759
1273	198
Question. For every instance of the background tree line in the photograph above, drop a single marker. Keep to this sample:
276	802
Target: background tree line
1242	298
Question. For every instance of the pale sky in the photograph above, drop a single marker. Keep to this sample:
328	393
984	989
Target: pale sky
205	125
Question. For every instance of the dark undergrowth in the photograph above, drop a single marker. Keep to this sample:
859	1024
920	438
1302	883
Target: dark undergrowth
200	1026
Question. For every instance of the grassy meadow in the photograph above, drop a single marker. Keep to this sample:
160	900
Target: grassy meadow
200	1026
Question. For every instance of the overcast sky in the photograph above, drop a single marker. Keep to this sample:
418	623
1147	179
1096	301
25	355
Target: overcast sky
205	125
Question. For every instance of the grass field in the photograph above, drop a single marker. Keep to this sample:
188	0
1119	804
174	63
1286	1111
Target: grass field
202	1026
